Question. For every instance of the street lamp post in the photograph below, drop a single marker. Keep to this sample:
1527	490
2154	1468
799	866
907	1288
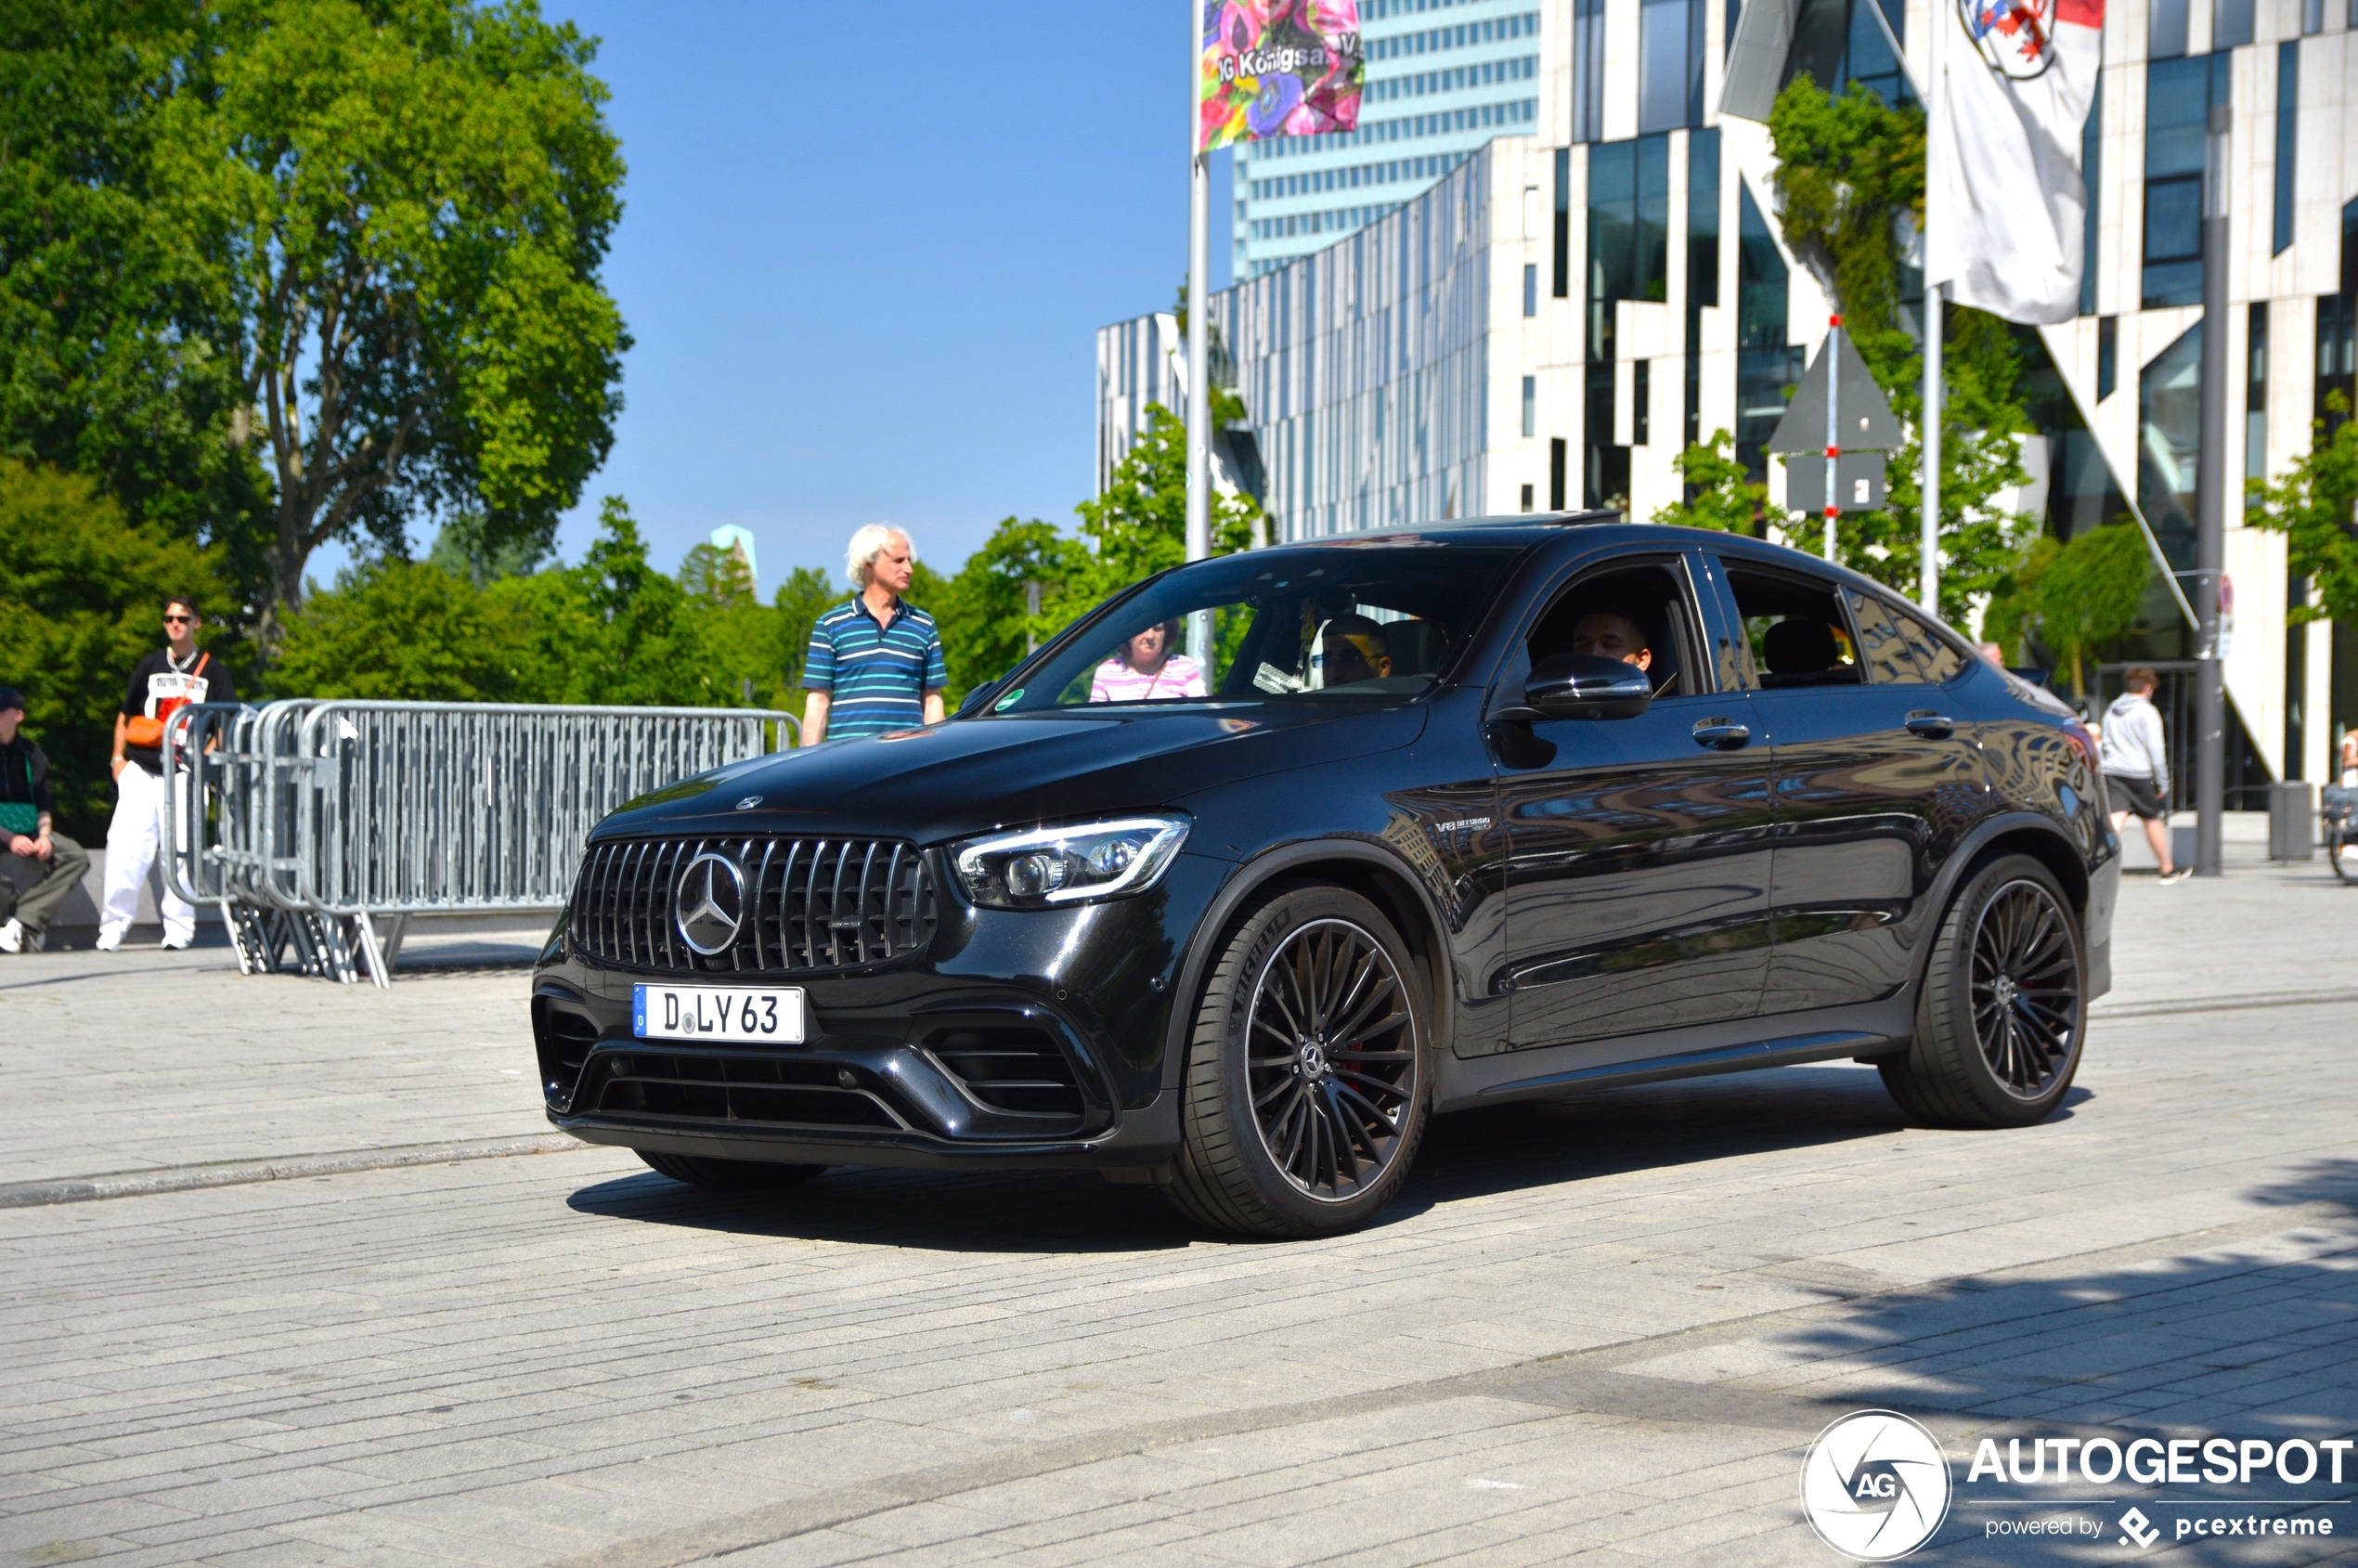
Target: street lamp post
2210	505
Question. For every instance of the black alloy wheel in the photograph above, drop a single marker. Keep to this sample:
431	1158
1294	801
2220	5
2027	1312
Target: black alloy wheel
1305	1093
2003	1010
728	1175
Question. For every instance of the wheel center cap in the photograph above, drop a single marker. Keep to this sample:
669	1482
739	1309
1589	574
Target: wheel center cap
2006	991
1313	1057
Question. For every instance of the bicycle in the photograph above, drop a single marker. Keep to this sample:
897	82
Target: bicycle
2338	823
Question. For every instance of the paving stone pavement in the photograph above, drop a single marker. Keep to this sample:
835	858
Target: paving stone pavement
1603	1329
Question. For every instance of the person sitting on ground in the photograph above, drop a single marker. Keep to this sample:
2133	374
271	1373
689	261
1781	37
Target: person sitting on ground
39	865
1352	649
2136	766
1146	668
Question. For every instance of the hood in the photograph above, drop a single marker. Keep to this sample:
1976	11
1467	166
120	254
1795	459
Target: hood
972	775
2123	703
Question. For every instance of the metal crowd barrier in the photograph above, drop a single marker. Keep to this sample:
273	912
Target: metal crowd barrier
306	822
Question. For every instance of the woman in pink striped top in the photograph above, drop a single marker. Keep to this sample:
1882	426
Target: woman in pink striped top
1146	669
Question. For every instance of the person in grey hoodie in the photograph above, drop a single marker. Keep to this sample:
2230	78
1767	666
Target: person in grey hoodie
2136	767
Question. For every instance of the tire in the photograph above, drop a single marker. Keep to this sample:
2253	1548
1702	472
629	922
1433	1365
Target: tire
2002	1012
1305	1095
2341	852
728	1175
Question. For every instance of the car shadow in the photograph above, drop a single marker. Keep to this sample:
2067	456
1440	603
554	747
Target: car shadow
1471	1154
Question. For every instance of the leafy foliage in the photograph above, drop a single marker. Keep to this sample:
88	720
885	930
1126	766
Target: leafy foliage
2090	591
403	207
81	592
2315	507
1851	183
1721	497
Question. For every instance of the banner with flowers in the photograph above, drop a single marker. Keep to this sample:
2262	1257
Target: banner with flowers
1279	68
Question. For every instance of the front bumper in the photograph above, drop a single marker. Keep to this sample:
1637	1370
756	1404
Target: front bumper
1018	1040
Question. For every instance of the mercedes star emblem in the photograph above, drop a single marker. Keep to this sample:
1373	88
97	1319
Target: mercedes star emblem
710	903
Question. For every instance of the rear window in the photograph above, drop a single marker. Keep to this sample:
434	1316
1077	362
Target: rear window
1324	624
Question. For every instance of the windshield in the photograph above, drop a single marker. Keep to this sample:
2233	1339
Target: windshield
1375	620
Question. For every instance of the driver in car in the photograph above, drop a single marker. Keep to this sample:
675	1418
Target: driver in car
1603	635
1353	648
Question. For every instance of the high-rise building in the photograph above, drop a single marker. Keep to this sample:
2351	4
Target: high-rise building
1443	77
1584	295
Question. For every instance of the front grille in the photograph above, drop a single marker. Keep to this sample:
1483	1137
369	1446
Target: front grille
1013	1069
770	1091
809	903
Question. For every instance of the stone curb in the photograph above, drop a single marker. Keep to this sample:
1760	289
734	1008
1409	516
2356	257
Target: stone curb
238	1172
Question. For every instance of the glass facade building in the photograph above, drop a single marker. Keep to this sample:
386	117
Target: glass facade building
1549	316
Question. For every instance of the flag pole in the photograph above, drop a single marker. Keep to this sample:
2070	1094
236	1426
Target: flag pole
1928	425
1198	332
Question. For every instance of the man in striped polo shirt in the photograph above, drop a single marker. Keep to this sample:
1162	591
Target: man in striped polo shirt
875	663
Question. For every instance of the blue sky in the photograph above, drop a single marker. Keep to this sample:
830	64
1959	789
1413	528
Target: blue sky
863	252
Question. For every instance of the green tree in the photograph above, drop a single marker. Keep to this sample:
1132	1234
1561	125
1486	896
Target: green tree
407	204
1139	525
1722	496
114	334
2315	507
983	611
404	630
1850	184
81	592
2093	591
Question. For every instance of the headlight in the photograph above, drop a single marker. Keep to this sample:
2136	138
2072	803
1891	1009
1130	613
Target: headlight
1059	865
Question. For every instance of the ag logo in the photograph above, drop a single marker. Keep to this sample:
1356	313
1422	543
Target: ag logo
1876	1485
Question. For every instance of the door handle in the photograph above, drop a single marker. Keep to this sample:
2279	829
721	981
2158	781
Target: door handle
1722	735
1931	726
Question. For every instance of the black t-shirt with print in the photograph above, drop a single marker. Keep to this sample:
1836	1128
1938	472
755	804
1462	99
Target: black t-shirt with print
158	686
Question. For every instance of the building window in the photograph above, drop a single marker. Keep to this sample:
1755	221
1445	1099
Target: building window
1527	502
1564	220
1531	406
1589	69
1531	288
2312	16
1641	399
1703	218
2092	156
1765	367
2166	30
1628	259
2288	141
1556	474
2107	356
1838	42
2169	431
2230	23
2256	394
1670	64
2338	327
2177	103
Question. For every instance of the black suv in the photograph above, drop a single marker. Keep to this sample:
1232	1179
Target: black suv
1437	818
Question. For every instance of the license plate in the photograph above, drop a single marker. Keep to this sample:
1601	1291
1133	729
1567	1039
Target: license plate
732	1014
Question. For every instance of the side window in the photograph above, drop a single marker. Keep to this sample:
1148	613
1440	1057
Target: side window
1635	614
1941	660
1883	652
1798	634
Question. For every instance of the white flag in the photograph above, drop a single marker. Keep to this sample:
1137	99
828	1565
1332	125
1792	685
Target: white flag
2006	207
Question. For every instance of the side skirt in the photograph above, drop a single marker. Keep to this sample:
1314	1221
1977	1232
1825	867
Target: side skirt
1738	1046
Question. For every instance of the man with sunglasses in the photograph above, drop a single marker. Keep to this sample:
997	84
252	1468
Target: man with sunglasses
169	679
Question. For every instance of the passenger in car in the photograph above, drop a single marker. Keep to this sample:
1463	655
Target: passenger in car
1352	649
1601	634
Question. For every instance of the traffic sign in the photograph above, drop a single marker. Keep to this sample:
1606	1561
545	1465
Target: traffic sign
1863	414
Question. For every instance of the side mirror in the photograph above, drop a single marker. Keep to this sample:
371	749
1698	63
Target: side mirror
1584	686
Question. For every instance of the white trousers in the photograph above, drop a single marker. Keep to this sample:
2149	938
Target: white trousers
134	841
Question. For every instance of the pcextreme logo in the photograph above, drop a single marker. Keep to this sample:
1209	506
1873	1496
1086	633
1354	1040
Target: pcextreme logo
1876	1485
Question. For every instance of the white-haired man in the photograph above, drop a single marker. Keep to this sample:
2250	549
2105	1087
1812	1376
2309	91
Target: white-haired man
874	664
